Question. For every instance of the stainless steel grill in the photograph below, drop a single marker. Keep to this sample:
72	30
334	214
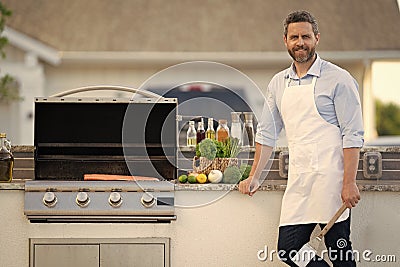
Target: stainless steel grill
103	136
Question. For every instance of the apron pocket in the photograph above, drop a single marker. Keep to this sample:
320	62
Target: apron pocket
304	158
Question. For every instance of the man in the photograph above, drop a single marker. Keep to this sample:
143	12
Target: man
318	105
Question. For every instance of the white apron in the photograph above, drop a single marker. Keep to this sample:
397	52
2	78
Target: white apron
315	179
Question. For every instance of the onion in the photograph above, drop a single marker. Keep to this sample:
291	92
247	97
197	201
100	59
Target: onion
215	176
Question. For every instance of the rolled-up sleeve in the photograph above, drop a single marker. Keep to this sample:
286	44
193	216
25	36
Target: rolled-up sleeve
348	112
270	125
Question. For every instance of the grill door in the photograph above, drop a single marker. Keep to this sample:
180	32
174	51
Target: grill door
66	255
99	252
138	255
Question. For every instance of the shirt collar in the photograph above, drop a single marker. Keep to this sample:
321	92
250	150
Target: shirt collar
315	69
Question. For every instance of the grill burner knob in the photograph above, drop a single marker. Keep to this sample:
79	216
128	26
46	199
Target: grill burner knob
49	199
148	200
82	199
115	199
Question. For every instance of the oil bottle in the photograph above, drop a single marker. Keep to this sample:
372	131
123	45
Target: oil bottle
191	135
210	133
248	131
222	131
6	159
201	133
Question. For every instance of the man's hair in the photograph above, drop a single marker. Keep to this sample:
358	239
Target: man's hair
300	16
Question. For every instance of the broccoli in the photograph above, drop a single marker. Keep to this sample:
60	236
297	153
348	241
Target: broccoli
232	175
245	171
208	149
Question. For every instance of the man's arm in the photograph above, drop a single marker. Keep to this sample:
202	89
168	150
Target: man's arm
348	111
350	192
261	157
269	126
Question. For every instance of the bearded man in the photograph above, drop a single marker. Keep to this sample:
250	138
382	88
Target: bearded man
318	104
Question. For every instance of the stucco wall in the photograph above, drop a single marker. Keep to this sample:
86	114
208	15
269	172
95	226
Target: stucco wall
228	232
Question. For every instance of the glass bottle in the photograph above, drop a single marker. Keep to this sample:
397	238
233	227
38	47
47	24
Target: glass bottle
248	133
210	129
236	128
222	131
201	133
191	135
6	159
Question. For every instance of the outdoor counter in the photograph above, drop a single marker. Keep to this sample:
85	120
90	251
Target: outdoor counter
213	228
373	186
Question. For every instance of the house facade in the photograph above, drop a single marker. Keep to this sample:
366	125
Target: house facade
60	45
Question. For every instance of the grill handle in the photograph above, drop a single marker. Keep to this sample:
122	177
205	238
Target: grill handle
107	87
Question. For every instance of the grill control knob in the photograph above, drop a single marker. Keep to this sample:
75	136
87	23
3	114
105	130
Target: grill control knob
82	199
49	199
115	199
148	200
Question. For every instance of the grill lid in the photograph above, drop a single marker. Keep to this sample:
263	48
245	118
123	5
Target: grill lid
75	136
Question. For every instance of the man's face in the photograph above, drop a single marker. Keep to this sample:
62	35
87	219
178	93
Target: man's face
301	41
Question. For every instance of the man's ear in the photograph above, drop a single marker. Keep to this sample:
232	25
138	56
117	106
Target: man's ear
317	37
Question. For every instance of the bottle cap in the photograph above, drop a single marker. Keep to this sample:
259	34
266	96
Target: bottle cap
235	116
3	135
248	116
222	121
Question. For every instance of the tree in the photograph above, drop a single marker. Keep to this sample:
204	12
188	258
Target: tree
387	118
3	40
8	84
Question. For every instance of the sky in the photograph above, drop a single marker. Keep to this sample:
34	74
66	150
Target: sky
385	81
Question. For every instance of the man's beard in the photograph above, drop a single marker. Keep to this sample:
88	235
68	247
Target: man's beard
302	59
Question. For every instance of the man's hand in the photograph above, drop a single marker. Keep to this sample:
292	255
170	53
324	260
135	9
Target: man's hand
350	195
249	186
261	157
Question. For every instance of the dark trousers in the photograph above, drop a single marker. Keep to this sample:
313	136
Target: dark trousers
337	242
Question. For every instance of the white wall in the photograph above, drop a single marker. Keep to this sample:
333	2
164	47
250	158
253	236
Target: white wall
16	118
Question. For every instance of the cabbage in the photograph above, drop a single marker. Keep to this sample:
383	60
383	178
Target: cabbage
232	175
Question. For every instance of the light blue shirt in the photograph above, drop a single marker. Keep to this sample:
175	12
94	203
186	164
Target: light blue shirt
336	98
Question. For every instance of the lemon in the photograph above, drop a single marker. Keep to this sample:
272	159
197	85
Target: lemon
183	178
201	178
192	179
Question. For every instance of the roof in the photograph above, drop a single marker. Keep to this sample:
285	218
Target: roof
31	45
201	26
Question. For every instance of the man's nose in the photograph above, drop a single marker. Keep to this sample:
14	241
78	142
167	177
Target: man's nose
300	41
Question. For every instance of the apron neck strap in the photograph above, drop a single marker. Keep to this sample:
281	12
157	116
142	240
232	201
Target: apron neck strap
314	79
312	82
